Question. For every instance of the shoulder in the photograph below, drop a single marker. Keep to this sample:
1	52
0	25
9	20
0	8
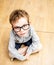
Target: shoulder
12	33
32	30
33	33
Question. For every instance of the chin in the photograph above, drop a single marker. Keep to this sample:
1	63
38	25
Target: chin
22	35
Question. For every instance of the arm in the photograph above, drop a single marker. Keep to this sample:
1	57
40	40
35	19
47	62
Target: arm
36	45
12	50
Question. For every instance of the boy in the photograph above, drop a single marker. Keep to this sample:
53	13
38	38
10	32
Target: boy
23	39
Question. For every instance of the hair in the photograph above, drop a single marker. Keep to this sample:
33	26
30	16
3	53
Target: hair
17	14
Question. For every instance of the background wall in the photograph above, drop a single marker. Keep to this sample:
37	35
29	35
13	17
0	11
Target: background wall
41	17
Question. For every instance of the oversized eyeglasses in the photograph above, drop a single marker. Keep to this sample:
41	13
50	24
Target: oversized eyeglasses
24	27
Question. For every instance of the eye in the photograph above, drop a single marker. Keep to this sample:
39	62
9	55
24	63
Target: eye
25	25
16	27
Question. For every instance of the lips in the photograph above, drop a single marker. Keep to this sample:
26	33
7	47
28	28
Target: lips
22	34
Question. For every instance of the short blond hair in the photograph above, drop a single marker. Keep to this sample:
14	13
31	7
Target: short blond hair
17	14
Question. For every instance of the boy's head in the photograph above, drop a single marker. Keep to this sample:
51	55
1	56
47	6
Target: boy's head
19	20
17	14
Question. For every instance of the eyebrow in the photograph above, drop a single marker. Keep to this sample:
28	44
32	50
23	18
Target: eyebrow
21	26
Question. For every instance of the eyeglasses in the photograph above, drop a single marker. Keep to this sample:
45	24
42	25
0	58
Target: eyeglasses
24	27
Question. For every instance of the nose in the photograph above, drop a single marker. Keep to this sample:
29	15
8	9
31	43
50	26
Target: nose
21	29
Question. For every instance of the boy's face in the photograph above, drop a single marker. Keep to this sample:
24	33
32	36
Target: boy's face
21	27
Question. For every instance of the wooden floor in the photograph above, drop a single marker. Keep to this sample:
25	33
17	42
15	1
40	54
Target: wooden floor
44	57
41	17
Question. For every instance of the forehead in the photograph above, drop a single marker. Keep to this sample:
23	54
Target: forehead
20	22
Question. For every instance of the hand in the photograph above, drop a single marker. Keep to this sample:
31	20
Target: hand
27	56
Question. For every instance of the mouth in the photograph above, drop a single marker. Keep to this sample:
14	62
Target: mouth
22	34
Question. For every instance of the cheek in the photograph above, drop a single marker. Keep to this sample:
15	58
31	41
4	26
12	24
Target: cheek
18	33
26	31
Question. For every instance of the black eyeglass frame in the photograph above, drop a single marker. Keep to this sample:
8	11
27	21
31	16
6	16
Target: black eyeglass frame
22	27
